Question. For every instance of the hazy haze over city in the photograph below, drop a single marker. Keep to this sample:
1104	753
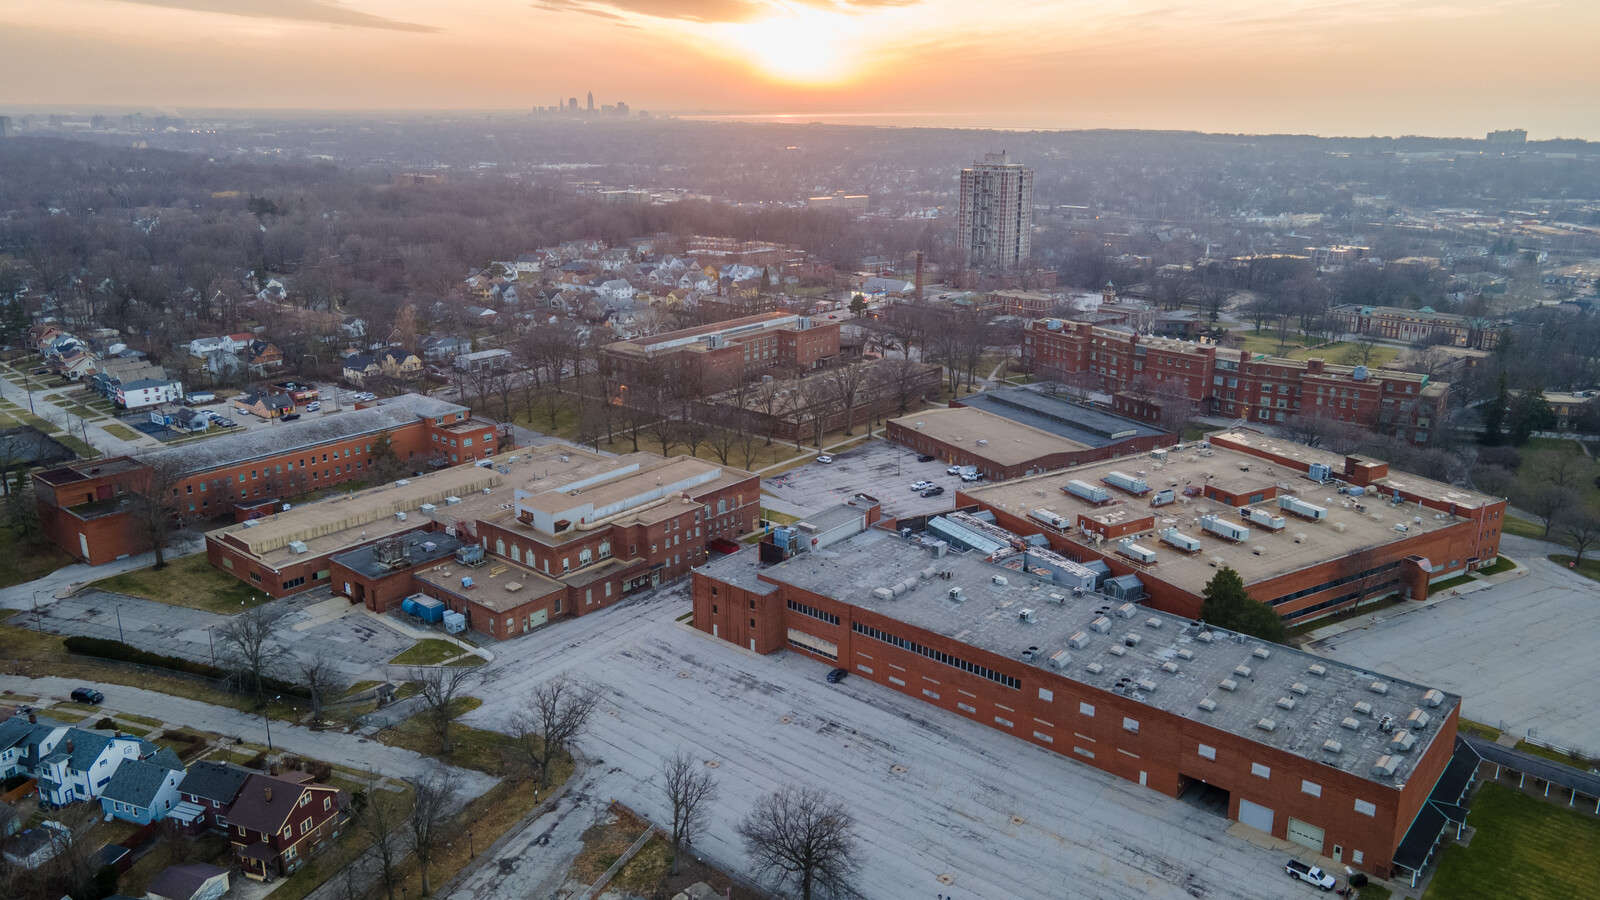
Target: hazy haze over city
1458	67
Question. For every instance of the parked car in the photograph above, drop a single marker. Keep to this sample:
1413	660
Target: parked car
240	411
934	491
825	460
971	476
837	675
953	470
87	695
225	423
1310	874
922	485
289	417
314	406
924	457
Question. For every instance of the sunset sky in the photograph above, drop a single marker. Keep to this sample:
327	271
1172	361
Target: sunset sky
1356	67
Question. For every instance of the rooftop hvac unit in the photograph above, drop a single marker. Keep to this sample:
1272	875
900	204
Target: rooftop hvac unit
1402	742
427	507
1000	580
1418	719
1172	537
1101	625
1094	668
1433	697
297	546
451	501
1386	765
1332	746
1301	508
1127	610
466	581
251	523
1263	518
1208	704
955	594
1136	552
1026	616
1059	659
1125	482
1086	491
399	517
1078	641
402	483
887	594
1223	528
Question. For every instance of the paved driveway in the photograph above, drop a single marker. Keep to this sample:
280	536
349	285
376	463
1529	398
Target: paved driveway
314	625
1002	818
1521	653
880	468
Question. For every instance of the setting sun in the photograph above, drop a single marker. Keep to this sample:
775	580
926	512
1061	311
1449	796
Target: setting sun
802	45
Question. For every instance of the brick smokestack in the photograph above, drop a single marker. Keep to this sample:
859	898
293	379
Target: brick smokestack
919	276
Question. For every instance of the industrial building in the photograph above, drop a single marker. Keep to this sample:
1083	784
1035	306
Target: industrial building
1309	532
86	508
510	543
1218	381
1001	630
994	224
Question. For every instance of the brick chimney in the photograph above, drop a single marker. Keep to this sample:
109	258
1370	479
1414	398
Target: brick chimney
33	719
266	793
1314	366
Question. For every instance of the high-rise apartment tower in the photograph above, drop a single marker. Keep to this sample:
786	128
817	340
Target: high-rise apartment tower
995	224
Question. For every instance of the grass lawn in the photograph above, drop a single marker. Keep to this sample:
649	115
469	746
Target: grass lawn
23	561
190	581
1524	528
486	751
773	515
121	431
1553	755
1373	891
77	446
430	652
1524	849
1487	732
1449	583
1589	568
1501	564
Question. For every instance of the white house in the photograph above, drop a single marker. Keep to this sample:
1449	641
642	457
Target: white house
149	392
229	343
617	289
73	764
144	791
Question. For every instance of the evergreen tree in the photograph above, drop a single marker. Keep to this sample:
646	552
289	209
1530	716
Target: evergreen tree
1494	414
1530	412
1227	605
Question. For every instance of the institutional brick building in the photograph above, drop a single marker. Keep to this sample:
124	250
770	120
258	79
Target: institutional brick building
722	354
1234	383
516	542
1419	325
85	507
1329	756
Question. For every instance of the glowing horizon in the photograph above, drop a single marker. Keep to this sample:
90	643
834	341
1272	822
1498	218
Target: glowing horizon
1446	67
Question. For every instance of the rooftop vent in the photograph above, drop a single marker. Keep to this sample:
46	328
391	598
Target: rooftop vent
1059	659
1000	580
1297	688
1186	654
1127	610
427	507
1386	765
1266	725
1402	742
1131	639
451	501
1030	653
1101	625
1205	637
886	594
402	482
1242	671
1351	723
1261	653
1147	686
1078	641
1208	704
513	586
297	546
1094	668
1118	650
1379	687
1286	703
1418	719
1027	616
1228	684
1169	667
1363	709
1332	746
400	517
1318	670
1153	622
1433	697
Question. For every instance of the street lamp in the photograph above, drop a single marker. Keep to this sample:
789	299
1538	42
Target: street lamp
120	636
266	717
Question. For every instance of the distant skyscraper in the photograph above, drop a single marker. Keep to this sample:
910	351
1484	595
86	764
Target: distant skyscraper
1509	136
591	101
572	103
5	126
995	224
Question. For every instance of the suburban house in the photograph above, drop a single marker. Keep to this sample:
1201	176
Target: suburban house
148	392
144	790
228	343
265	404
71	763
188	881
484	361
444	349
278	821
399	363
222	363
13	734
37	846
359	367
263	355
205	794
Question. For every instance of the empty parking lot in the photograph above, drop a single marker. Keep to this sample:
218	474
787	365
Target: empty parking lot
880	469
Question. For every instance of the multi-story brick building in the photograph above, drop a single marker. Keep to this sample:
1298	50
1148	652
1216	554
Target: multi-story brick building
1219	381
86	508
1307	541
1419	325
529	538
713	357
1328	756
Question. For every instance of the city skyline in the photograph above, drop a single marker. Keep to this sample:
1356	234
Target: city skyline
1243	66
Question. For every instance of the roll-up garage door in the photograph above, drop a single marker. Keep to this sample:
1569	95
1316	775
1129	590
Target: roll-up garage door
1306	835
1256	816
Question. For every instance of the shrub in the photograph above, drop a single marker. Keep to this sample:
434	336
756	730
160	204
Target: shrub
105	724
257	762
1505	457
109	649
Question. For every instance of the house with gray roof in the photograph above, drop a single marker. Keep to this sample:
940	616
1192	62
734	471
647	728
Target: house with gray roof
74	764
144	790
188	881
205	794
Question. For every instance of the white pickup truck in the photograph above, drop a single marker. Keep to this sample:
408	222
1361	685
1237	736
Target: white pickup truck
1310	874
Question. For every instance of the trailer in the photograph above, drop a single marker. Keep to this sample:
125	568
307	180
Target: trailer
1086	491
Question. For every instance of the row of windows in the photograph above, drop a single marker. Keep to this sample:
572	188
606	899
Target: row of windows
1316	588
938	656
813	612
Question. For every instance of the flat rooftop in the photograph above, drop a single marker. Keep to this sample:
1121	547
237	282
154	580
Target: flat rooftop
688	337
420	548
1006	442
287	437
1174	665
498	585
1058	416
87	469
1346	530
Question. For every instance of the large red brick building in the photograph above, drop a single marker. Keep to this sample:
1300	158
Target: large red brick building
84	508
722	354
513	543
1234	383
1334	758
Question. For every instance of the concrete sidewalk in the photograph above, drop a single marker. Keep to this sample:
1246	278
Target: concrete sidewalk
67	579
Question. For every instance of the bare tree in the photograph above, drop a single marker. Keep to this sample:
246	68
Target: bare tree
249	643
381	820
433	799
155	502
557	711
1546	502
323	680
1581	528
848	383
690	788
802	835
438	689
